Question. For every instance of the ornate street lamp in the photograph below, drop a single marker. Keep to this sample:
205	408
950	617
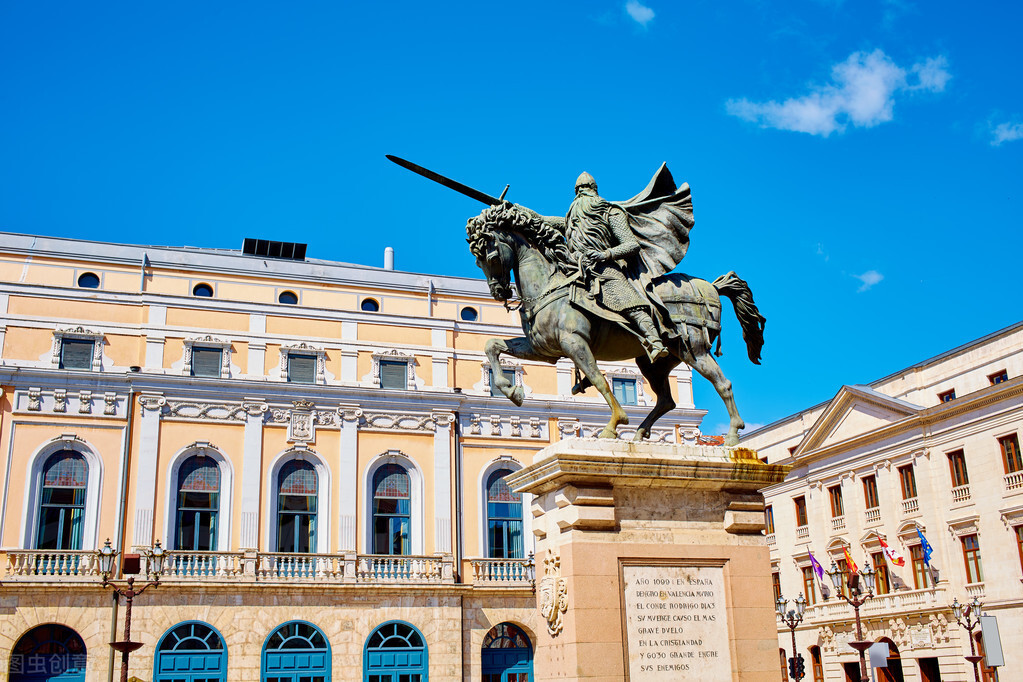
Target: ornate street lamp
106	556
867	575
792	618
968	616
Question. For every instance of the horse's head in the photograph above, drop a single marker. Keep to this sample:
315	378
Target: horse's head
493	248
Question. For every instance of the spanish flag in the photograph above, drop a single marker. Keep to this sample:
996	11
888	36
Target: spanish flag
853	568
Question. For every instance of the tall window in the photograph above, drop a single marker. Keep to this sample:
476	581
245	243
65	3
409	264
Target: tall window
800	503
504	518
198	504
624	390
769	520
76	353
394	374
843	567
1019	543
870	492
835	495
882	580
908	481
808	586
971	557
508	374
1009	446
62	501
776	584
921	579
296	507
193	647
392	510
957	468
206	362
816	664
301	368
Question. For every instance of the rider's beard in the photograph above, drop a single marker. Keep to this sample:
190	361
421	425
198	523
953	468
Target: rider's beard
588	208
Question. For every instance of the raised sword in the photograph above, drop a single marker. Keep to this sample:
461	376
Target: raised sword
479	196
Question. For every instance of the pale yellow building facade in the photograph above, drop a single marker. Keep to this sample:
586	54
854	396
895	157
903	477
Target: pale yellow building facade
314	443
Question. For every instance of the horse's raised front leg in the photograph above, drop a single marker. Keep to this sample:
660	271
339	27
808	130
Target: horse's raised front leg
657	373
706	365
578	350
518	347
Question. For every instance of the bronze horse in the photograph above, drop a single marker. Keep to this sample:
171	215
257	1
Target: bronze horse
558	321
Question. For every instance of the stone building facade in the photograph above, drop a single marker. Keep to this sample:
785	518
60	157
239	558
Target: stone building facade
315	444
932	451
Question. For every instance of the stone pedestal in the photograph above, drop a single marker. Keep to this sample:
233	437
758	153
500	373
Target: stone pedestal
651	562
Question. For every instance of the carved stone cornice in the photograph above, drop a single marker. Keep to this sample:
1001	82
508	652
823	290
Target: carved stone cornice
191	409
388	421
152	402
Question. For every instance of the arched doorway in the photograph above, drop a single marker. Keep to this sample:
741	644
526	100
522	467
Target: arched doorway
296	652
191	652
507	655
48	653
893	673
395	652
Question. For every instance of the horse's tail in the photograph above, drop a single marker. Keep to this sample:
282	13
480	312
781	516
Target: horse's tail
750	319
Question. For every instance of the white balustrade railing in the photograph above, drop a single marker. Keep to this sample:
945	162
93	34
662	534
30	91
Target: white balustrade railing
182	565
802	532
904	601
1014	480
838	523
52	564
279	566
961	493
770	538
975	590
911	506
502	572
872	515
379	568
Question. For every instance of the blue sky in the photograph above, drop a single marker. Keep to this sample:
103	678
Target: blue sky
859	163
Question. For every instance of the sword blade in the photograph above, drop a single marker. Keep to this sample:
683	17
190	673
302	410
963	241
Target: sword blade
479	196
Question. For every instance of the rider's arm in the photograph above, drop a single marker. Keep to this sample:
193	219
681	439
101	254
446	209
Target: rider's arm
627	243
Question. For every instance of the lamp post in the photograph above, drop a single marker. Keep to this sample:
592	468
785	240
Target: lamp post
792	618
106	555
867	575
968	616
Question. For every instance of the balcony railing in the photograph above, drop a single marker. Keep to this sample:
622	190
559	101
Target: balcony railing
201	565
1014	480
770	538
52	564
502	572
904	601
872	515
961	493
838	523
802	532
910	506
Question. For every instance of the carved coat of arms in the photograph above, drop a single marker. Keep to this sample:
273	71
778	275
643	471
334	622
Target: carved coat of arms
553	593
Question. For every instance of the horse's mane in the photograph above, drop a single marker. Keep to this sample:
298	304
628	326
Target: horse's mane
532	227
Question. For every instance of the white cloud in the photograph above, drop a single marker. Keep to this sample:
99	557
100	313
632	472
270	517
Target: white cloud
722	428
1006	132
868	279
639	12
862	93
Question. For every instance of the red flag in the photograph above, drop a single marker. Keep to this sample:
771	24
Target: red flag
892	554
849	561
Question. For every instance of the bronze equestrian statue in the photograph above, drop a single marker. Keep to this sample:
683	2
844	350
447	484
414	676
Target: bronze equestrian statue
597	285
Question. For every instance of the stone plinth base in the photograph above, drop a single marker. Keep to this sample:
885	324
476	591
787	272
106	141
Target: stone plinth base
651	562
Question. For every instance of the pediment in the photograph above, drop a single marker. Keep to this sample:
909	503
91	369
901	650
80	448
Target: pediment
854	411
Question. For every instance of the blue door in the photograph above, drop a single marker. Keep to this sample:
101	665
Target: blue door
395	652
507	655
191	652
296	652
48	653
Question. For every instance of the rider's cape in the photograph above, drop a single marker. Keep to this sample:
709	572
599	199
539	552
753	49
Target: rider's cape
661	217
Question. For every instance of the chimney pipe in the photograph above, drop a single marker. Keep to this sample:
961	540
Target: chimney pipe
388	258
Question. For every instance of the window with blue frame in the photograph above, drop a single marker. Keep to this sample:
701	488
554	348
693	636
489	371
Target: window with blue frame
507	655
48	653
296	652
624	390
504	518
198	504
296	507
191	652
395	652
62	501
392	510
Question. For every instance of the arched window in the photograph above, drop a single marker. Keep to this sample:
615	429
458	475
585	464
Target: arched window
296	652
287	297
817	664
395	652
369	305
48	652
392	510
504	518
296	507
203	290
507	655
469	314
198	504
893	673
62	502
191	652
88	280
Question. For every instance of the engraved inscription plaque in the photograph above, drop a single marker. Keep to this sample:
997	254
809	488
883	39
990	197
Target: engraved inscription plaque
675	621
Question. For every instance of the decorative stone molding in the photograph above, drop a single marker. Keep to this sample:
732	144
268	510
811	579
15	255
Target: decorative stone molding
79	334
152	403
568	427
1012	516
35	399
688	436
475	427
302	422
109	403
399	422
885	464
255	409
59	400
85	402
899	632
968	525
304	349
826	636
190	409
411	381
350	413
207	341
443	418
553	593
816	485
939	628
924	453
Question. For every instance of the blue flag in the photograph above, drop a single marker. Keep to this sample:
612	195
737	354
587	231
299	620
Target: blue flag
925	546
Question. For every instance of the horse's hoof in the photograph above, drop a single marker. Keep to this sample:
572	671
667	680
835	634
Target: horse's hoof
517	396
731	440
641	434
608	432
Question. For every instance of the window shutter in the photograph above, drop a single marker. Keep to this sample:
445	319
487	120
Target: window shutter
302	369
76	354
393	374
206	362
624	390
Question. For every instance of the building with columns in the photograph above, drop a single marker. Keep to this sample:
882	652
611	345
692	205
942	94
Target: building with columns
933	452
317	446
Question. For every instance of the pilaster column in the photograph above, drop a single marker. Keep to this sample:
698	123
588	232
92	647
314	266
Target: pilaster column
349	475
151	407
442	480
252	472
